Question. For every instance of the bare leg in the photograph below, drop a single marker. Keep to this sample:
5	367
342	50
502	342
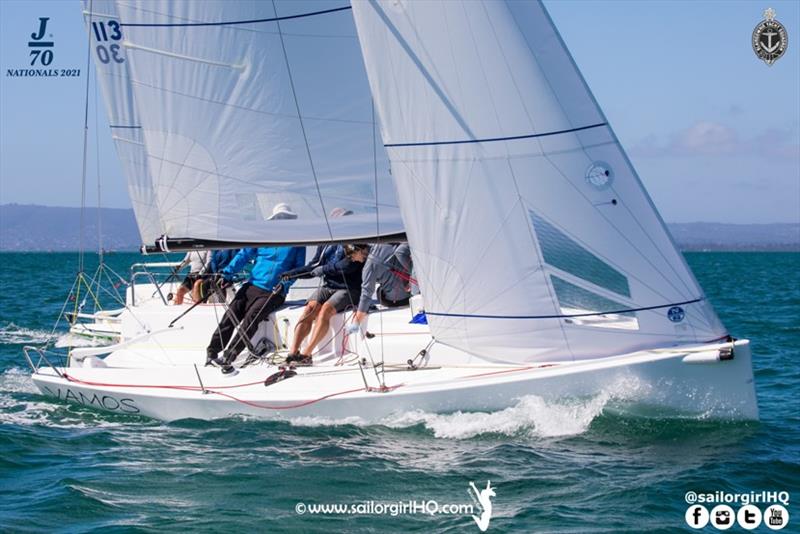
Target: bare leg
179	295
303	326
320	327
196	290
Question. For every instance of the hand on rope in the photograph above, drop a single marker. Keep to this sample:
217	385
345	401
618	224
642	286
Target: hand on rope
287	277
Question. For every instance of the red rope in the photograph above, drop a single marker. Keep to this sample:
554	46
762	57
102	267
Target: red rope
264	407
198	388
154	386
288	406
406	277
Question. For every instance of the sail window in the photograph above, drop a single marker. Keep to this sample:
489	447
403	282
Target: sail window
564	253
576	301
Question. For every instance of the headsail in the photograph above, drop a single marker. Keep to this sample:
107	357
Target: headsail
245	105
103	25
533	238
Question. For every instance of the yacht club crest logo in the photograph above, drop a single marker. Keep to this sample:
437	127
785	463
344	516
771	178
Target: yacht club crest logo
769	38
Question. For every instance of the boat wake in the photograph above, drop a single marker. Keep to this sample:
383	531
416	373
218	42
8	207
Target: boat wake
22	405
532	416
11	334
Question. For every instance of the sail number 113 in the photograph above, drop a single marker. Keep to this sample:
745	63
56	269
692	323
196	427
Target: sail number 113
105	31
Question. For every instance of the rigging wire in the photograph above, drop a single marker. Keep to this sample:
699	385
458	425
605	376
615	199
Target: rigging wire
97	176
305	140
85	144
302	124
377	227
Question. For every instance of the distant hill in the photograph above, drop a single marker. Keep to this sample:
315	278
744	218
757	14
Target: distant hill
30	228
719	236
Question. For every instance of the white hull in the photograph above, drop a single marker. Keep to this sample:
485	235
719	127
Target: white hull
663	379
156	371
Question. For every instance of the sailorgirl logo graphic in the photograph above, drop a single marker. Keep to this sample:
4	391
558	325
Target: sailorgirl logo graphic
484	501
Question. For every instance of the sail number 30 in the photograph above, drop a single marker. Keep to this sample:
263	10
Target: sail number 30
108	31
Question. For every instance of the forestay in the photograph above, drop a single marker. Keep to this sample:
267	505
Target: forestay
533	238
247	104
110	62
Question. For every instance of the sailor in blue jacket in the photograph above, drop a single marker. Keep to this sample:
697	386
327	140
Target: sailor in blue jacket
263	293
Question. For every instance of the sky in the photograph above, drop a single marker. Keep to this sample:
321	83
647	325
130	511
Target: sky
713	132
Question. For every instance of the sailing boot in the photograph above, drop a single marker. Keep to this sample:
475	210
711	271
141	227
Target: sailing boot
300	360
213	359
227	362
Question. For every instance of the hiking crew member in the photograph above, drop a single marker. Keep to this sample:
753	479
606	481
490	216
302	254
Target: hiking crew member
389	266
340	269
261	295
196	260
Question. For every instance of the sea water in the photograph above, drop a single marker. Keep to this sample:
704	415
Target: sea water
573	466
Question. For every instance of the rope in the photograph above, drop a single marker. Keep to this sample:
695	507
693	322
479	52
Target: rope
404	276
214	391
236	22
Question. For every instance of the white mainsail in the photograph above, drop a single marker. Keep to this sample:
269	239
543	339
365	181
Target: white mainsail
248	104
103	25
532	236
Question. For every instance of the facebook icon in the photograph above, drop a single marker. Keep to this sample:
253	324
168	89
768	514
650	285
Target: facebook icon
697	516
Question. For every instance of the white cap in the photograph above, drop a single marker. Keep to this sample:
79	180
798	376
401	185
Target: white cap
282	211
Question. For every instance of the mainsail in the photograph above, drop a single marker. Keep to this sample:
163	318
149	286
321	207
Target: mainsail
532	236
245	105
103	25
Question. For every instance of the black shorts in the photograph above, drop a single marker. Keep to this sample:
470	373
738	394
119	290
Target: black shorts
189	281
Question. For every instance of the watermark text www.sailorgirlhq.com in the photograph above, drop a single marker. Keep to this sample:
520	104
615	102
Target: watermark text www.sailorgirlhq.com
480	510
394	509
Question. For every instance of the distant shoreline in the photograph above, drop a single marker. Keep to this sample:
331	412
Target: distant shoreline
33	228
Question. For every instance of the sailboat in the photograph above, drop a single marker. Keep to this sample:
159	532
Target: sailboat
464	127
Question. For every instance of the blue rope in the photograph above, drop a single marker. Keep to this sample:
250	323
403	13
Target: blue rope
492	139
234	22
646	308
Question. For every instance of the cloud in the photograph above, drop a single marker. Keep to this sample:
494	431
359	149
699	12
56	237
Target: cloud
706	138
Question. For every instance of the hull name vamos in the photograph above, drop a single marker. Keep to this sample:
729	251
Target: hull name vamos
107	402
